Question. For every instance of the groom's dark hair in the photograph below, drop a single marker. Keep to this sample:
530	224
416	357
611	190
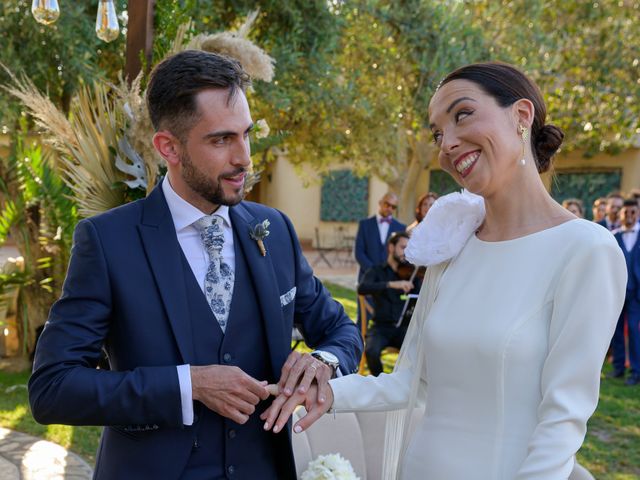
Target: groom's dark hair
176	81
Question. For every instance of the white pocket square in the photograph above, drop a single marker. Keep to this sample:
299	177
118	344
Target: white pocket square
288	297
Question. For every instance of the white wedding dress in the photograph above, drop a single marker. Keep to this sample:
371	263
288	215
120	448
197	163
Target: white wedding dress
513	346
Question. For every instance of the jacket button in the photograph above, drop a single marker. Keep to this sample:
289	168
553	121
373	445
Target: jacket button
226	357
232	433
231	469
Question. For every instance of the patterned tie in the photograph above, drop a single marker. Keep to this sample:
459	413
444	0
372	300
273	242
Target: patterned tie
218	282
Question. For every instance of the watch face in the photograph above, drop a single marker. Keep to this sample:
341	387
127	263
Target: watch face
329	357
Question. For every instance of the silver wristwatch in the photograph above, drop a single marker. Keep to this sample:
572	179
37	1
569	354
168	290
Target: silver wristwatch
327	358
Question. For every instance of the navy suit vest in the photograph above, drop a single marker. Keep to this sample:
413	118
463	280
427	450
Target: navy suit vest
221	447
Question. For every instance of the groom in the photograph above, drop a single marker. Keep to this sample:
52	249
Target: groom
192	302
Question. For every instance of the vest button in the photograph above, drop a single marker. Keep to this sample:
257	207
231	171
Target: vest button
231	469
226	357
232	433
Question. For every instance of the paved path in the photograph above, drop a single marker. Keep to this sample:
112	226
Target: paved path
341	272
23	457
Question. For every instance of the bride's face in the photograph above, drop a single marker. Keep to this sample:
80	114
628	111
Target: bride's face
478	139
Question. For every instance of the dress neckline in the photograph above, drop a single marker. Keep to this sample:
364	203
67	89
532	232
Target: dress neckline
524	237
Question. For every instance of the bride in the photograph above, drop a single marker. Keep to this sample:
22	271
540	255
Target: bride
513	322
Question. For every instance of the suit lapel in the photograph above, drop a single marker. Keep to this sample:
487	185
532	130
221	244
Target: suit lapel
265	283
163	254
375	233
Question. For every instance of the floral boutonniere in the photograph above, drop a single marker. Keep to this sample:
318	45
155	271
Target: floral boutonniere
259	233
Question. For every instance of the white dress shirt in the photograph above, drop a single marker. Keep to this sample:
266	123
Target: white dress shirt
383	228
630	237
184	215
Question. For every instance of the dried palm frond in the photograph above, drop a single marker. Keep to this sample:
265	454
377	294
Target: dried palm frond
247	25
46	115
140	130
178	43
89	165
83	140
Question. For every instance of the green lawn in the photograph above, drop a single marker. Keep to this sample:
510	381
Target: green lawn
611	450
612	447
15	414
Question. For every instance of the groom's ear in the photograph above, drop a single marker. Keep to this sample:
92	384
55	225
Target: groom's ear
168	146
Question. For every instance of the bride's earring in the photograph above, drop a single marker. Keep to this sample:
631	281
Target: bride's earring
524	132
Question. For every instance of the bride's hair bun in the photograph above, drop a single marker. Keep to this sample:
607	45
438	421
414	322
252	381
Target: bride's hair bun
545	144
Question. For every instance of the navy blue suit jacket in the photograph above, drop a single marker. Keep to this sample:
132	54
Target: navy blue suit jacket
633	267
125	290
369	251
603	222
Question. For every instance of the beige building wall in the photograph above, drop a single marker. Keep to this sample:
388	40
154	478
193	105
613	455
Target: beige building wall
377	188
282	188
628	162
299	196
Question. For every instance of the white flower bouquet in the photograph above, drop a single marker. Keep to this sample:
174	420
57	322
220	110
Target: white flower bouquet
329	467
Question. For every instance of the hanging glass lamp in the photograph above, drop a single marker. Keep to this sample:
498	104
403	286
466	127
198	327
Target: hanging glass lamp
107	27
45	11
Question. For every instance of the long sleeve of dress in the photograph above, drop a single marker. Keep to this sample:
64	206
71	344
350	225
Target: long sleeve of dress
587	301
388	391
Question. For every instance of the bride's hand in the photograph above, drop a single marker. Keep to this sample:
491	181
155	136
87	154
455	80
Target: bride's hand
277	415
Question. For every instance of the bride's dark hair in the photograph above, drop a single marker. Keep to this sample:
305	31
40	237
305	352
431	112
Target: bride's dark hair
507	84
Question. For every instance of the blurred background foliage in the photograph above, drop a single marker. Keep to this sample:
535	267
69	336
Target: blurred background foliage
352	85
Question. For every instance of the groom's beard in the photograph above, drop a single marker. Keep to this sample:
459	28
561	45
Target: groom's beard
209	189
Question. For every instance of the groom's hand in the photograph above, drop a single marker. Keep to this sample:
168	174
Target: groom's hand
301	370
227	391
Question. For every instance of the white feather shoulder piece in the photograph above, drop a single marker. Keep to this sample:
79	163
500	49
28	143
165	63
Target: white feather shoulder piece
447	227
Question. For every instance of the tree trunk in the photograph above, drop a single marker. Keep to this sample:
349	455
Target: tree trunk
34	301
33	309
420	154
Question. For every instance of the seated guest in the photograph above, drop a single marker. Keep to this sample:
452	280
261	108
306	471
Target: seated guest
599	209
422	207
627	237
386	288
574	205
